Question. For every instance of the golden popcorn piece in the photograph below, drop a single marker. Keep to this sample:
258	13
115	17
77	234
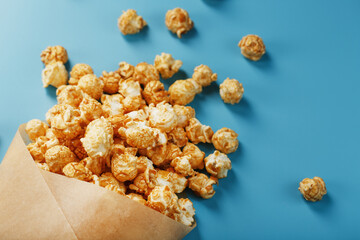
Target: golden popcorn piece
172	152
43	166
178	136
178	21
90	109
36	128
130	23
197	156
95	165
78	171
118	122
78	71
184	114
203	75
163	200
38	149
252	47
231	91
132	103
166	65
137	197
187	212
202	185
139	135
70	95
182	165
112	105
54	74
111	81
125	70
131	90
145	73
162	117
75	145
154	92
176	182
91	85
225	140
196	132
138	115
123	167
114	189
144	182
313	189
217	164
163	154
108	179
58	157
183	92
143	163
54	54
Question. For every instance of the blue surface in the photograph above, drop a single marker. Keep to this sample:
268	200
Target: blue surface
299	118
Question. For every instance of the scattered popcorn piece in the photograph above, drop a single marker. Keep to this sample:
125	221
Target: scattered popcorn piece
202	185
111	81
176	182
197	156
114	189
252	47
112	105
78	71
139	135
57	157
144	182
178	21
125	70
184	114
54	54
167	65
123	166
231	91
217	164
225	140
203	75
91	85
95	165
43	166
71	95
313	189
162	117
154	92
108	179
187	212
137	197
54	74
90	109
163	200
36	128
145	73
143	163
196	132
183	92
130	23
178	136
78	171
182	165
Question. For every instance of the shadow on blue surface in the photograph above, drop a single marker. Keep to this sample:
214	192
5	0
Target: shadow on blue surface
243	108
68	65
51	92
265	63
140	36
323	207
214	3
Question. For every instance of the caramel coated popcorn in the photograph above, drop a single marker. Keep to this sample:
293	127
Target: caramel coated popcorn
252	47
178	136
163	200
187	212
203	75
78	171
231	91
54	74
197	132
202	185
125	70
313	189
162	117
154	92
91	85
58	157
183	92
36	128
78	71
145	73
178	21
112	105
123	166
184	114
137	197
167	65
196	155
225	140
54	54
130	23
217	164
111	81
90	109
182	165
69	95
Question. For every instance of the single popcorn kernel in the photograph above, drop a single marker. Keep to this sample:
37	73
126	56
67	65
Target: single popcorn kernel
95	165
78	171
182	165
108	179
178	136
176	182
184	114
154	92
183	92
114	189
145	73
167	65
203	75
225	140
71	95
129	88
36	128
313	189
54	54
112	105
143	163
91	85
78	71
217	164
162	117
90	109
252	47
54	74
202	185
125	70
111	81
197	156
139	135
187	212
196	132
231	91
144	182
57	157
43	166
163	200
178	21
130	23
38	149
137	197
123	166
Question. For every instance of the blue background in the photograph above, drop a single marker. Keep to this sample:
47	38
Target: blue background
299	116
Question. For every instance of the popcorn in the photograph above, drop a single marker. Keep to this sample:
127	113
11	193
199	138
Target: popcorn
70	95
183	92
196	132
36	128
184	114
145	73
90	109
38	149
112	105
74	145
58	157
178	21
125	70
203	75
176	182
118	122
162	117
155	93
108	178
95	165
231	91
54	74
130	23
202	185
132	103
162	154
196	155
78	71
136	197
139	115
131	90
54	54
91	85
225	140
144	182
167	65
252	47
143	163
139	135
111	81
114	189
182	165
178	136
163	200
123	166
43	166
187	212
78	171
217	164
313	189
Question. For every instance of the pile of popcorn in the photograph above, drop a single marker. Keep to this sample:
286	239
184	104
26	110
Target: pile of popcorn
123	131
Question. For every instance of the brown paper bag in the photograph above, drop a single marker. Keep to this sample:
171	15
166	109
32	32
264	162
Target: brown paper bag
35	204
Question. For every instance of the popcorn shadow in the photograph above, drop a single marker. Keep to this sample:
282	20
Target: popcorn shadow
214	3
180	75
265	63
322	207
242	108
140	36
51	91
213	88
68	66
